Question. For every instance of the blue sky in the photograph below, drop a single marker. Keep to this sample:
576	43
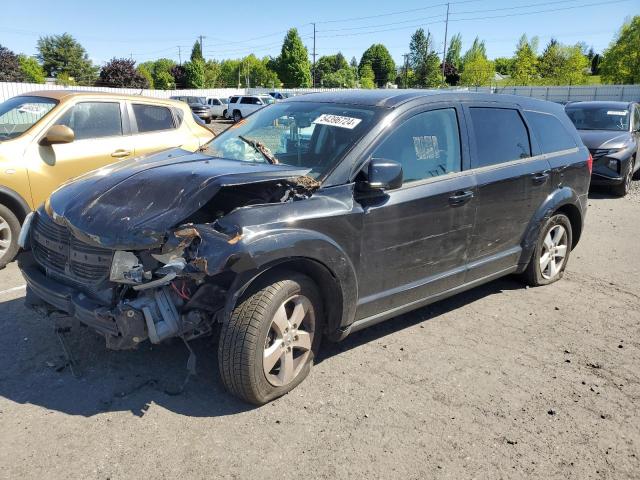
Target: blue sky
149	30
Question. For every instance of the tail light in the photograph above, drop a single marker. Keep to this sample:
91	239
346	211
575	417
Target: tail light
590	163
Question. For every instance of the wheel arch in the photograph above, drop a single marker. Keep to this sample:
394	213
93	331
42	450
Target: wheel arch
563	200
14	202
338	305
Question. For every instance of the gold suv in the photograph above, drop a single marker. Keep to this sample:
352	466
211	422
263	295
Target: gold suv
49	137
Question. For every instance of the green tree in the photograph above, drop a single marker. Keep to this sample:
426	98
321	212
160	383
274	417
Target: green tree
424	60
367	77
194	74
196	51
294	68
122	73
63	54
595	64
477	49
563	65
379	59
525	63
504	65
454	52
211	73
31	69
229	72
343	78
329	64
621	61
10	70
146	70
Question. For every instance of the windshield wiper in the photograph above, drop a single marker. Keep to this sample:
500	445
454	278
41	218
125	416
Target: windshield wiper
261	148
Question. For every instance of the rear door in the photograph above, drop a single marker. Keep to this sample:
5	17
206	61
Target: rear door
513	181
415	238
154	128
100	129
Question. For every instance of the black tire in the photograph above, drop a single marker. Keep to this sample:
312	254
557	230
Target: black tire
623	188
208	121
248	334
534	275
636	175
9	231
224	114
237	116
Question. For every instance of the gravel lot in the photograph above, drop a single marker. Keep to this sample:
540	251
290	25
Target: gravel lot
500	382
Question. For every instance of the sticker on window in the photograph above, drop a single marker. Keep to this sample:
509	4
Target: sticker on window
426	147
337	121
622	113
32	108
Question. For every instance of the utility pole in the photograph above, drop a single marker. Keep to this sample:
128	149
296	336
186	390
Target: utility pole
179	55
444	50
406	68
313	75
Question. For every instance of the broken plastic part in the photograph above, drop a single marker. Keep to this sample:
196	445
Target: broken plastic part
126	268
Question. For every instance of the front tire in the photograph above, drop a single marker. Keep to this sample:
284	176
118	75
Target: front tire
267	347
9	231
551	253
623	188
237	116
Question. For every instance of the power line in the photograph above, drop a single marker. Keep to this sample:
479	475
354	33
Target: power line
412	20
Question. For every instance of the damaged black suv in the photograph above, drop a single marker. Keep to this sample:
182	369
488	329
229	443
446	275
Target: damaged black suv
316	216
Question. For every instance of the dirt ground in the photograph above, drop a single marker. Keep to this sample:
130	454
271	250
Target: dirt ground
500	382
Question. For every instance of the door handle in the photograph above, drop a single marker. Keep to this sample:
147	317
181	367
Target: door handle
460	198
120	153
540	177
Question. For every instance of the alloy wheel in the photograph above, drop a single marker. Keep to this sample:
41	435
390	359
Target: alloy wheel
288	343
554	252
5	236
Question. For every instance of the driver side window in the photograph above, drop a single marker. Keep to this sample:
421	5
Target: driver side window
427	145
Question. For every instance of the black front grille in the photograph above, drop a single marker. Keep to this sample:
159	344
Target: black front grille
64	256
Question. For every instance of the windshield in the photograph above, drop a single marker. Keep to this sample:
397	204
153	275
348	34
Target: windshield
599	118
19	114
300	134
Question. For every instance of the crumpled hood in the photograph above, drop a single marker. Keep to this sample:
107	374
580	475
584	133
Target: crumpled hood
593	139
132	204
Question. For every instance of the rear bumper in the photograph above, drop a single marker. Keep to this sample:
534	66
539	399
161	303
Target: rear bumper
599	179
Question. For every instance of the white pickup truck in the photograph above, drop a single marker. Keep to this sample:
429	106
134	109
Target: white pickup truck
218	106
242	105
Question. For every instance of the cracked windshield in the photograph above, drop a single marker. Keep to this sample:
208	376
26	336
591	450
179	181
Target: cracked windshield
301	134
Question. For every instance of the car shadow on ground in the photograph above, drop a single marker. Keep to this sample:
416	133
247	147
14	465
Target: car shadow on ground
34	370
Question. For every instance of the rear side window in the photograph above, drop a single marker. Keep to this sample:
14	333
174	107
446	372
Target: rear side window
427	145
93	120
151	118
550	132
247	100
500	136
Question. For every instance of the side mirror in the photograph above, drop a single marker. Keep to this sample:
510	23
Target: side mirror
383	174
58	134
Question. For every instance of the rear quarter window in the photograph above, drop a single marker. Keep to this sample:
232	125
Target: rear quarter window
550	132
500	136
151	118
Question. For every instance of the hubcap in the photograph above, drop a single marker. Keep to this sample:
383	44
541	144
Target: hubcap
288	343
554	252
5	236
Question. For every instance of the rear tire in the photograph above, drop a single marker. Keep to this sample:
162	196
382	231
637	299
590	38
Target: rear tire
9	231
267	347
551	253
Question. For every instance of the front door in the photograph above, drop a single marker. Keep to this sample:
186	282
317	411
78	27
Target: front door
415	238
99	141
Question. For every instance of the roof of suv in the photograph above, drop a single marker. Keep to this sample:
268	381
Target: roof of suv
390	98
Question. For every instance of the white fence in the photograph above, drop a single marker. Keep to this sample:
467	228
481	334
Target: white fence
554	94
8	90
